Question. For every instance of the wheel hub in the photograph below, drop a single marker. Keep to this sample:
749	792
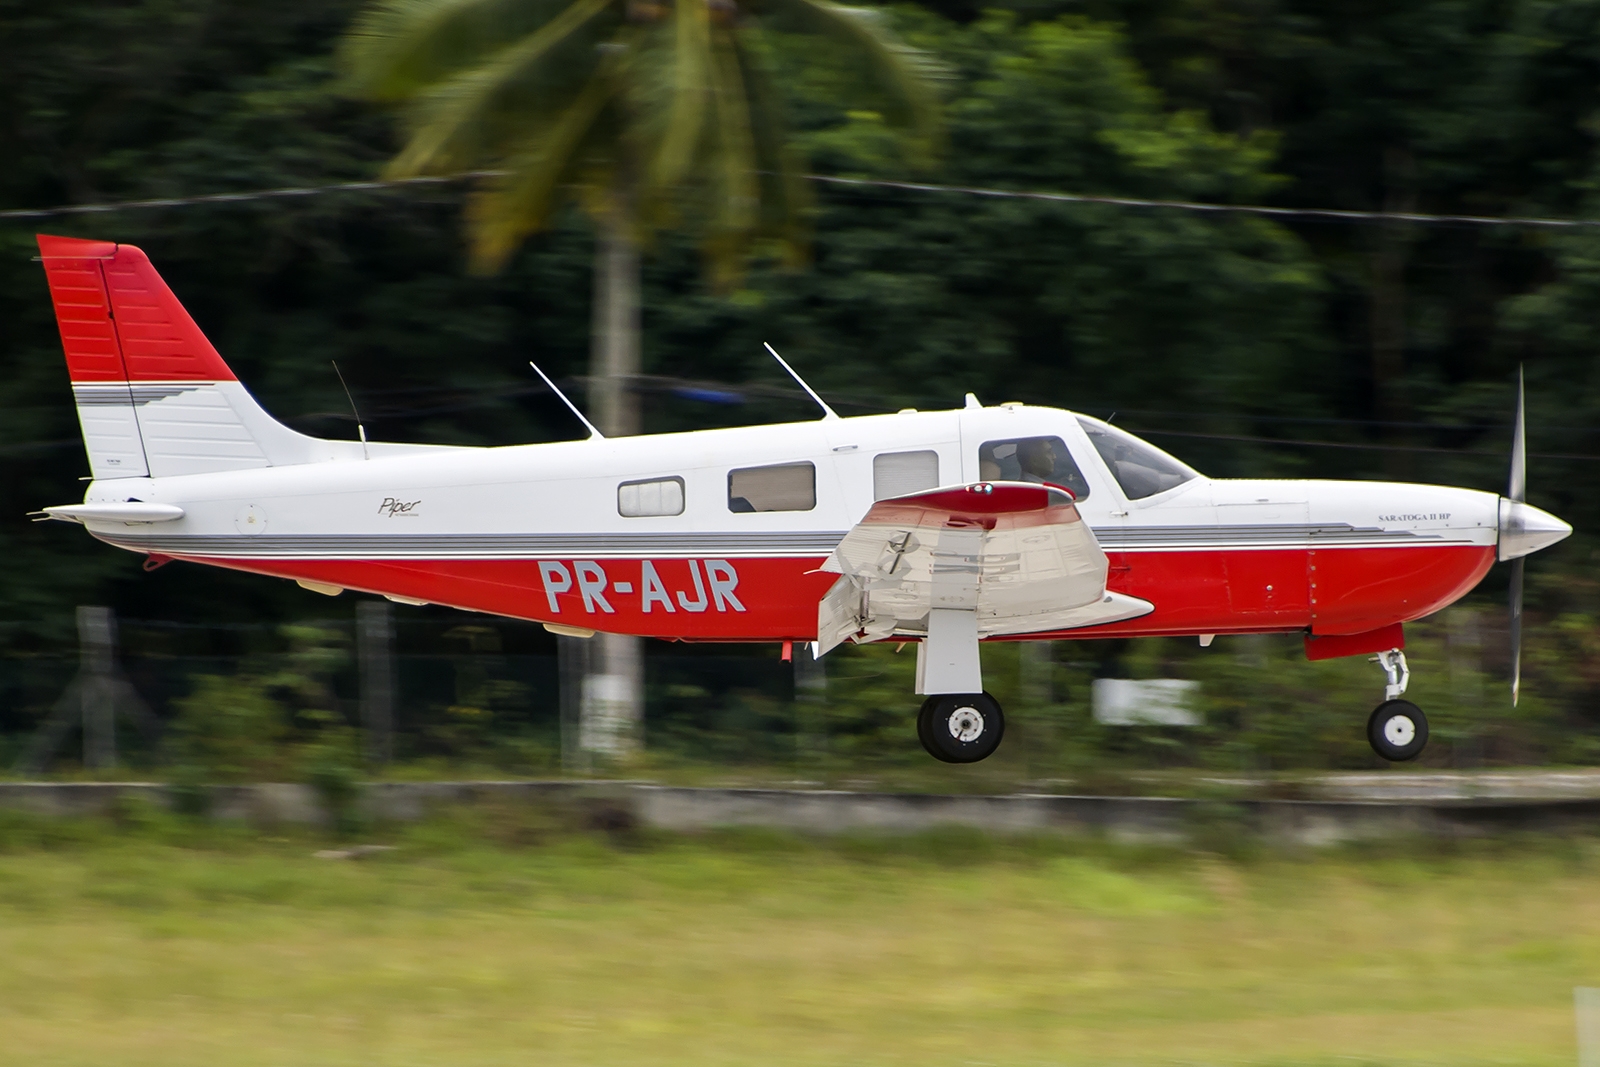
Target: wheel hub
1399	730
966	724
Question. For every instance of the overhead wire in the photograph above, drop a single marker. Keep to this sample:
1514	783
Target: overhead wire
1199	205
242	196
380	185
1352	445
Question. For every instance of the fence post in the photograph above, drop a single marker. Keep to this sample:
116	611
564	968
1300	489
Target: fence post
375	650
810	705
1036	690
91	700
572	661
97	698
612	708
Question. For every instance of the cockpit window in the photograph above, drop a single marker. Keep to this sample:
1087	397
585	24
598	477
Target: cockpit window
1032	459
1141	469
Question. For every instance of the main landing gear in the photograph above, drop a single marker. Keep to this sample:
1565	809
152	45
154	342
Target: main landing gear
1397	729
960	727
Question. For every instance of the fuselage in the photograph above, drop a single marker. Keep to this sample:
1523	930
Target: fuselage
717	534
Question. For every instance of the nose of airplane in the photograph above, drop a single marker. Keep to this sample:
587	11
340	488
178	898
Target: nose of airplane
1525	529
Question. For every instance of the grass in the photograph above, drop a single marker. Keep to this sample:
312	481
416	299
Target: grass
505	937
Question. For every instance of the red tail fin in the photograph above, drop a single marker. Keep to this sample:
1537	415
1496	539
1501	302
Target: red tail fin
119	321
154	398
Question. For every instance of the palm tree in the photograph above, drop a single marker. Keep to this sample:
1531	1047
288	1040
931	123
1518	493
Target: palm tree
648	113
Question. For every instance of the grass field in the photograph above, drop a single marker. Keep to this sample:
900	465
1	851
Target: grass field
500	939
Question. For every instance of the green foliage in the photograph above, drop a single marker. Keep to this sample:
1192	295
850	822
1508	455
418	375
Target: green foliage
332	765
1094	305
229	729
644	109
272	724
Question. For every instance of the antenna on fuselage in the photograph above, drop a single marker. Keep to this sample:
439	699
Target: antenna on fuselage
827	412
570	405
361	431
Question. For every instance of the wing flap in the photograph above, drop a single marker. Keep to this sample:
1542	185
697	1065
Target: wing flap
1017	554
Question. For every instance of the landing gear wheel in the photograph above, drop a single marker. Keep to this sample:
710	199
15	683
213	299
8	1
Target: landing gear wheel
960	728
1398	730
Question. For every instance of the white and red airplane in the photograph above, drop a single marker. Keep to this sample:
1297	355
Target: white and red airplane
943	528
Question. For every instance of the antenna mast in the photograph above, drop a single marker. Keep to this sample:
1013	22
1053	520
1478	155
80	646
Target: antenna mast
827	412
361	431
593	433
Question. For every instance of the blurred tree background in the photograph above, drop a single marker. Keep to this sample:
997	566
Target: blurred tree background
1248	346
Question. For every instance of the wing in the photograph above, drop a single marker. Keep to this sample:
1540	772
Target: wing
1016	553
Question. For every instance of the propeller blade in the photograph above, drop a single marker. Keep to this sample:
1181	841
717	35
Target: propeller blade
1518	489
1516	628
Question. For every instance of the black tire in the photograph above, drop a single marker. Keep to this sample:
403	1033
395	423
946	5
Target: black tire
1398	730
922	729
960	728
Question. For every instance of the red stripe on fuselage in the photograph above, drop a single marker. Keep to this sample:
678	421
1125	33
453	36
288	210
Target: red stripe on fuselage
775	599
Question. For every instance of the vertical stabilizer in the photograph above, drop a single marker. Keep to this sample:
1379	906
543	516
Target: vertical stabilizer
154	397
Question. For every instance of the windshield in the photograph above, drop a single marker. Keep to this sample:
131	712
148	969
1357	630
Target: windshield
1141	469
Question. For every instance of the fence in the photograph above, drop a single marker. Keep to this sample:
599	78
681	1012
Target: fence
458	690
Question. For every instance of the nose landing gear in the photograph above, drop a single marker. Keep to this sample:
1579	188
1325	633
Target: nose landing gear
1397	729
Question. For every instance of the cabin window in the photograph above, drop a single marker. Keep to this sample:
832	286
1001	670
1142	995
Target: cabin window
1141	469
1032	459
782	487
658	496
899	473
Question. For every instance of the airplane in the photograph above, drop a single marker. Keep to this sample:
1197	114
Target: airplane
939	528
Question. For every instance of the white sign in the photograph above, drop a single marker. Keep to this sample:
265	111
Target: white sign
1146	702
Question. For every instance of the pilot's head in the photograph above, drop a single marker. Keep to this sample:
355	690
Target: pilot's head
1036	457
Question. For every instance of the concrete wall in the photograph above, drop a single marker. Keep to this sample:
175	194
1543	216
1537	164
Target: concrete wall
1150	819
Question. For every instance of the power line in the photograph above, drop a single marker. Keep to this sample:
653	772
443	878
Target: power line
829	179
241	196
1354	445
1195	205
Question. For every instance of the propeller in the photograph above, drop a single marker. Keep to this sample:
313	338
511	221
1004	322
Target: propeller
1523	531
1517	493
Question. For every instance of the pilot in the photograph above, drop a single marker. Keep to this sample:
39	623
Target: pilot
1036	459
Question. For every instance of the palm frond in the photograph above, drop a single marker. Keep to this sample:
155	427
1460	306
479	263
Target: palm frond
454	119
904	75
735	158
691	85
672	114
506	210
396	47
785	195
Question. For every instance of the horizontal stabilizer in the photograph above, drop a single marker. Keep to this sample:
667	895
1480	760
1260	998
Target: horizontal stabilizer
130	511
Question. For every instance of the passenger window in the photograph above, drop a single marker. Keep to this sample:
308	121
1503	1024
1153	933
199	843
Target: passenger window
1140	468
1032	459
659	496
899	473
782	487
